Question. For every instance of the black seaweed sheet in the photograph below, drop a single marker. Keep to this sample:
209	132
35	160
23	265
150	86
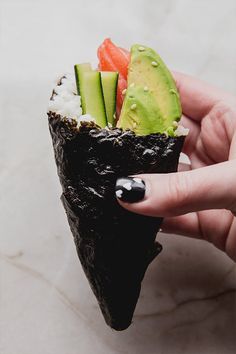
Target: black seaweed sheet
115	246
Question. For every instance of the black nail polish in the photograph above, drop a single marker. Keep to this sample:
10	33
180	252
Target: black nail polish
130	189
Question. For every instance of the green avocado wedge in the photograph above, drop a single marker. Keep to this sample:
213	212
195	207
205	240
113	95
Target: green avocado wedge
151	103
140	112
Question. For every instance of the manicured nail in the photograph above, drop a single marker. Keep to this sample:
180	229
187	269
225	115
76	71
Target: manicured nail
130	190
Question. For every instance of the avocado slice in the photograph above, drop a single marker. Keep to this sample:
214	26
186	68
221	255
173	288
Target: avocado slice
140	112
151	103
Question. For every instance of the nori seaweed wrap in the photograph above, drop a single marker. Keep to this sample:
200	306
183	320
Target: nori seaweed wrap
114	245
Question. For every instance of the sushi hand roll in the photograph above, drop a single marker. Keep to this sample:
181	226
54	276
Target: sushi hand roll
117	121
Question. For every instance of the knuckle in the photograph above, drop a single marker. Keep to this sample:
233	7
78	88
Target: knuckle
179	190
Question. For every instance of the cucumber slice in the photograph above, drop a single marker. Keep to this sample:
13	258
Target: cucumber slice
79	70
109	87
90	89
92	97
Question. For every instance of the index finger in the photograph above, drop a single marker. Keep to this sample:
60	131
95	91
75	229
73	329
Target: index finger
197	97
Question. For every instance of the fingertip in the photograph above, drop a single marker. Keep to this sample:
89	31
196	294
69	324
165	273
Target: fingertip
130	189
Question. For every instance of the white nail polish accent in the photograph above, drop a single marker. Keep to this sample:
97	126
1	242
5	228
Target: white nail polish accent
127	186
119	193
138	180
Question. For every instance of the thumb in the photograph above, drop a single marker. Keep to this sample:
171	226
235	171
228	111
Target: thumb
173	194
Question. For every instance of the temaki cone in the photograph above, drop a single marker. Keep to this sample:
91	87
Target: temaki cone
115	246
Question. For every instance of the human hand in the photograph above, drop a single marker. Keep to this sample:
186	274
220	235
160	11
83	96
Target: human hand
201	202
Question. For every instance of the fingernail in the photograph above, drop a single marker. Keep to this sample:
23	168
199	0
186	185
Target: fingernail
130	189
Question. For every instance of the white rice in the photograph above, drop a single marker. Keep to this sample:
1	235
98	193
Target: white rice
66	102
181	131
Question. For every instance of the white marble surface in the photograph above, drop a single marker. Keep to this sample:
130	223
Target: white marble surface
188	301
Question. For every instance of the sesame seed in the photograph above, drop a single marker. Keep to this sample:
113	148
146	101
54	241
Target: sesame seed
165	133
131	85
133	106
141	49
154	63
175	124
124	92
145	89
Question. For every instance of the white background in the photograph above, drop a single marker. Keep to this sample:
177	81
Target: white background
187	304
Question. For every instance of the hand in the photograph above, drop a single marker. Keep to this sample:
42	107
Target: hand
201	202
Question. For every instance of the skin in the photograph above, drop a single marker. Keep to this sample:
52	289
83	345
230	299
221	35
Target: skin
200	200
